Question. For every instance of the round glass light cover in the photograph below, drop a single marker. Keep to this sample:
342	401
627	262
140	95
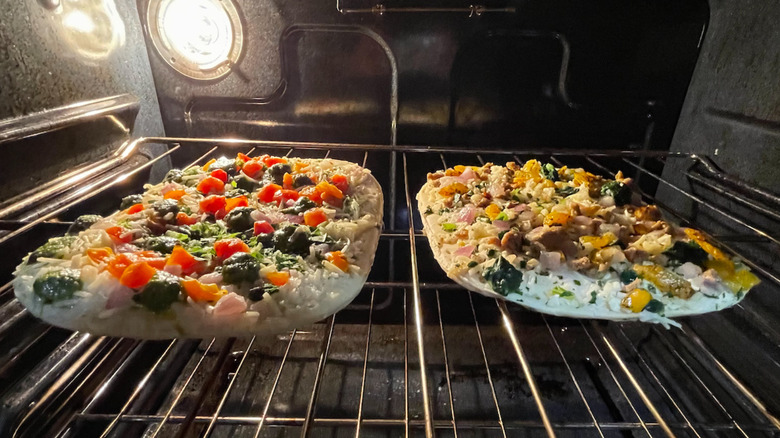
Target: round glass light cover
200	31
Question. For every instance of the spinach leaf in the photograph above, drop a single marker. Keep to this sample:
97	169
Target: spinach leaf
503	277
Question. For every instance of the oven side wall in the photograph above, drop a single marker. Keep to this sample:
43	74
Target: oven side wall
55	57
732	109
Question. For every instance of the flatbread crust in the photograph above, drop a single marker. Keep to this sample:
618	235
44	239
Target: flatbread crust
586	293
309	296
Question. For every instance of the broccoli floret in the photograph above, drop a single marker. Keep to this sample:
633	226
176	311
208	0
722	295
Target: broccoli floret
162	244
240	268
619	191
57	285
302	204
276	172
292	240
235	193
302	180
249	184
129	201
166	208
224	163
161	291
239	219
173	175
55	248
83	223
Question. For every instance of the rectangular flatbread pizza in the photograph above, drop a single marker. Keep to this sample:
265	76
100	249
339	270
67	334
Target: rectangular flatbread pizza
566	242
239	246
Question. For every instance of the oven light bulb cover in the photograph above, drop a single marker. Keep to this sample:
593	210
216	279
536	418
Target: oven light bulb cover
201	39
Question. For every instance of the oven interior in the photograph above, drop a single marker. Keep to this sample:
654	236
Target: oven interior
403	89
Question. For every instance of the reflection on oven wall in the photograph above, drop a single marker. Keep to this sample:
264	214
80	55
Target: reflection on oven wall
603	74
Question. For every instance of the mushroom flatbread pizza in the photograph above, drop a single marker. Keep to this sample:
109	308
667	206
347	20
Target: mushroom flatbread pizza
244	246
566	242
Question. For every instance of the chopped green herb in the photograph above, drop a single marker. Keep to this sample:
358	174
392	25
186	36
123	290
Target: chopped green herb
515	194
566	191
492	253
593	296
472	264
548	171
628	276
428	211
577	282
655	306
444	210
561	292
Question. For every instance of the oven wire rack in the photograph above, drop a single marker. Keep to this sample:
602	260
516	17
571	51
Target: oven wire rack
415	354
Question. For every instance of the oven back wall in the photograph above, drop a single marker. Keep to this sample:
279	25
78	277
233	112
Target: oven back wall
605	74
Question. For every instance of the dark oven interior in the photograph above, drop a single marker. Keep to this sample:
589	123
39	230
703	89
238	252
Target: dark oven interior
403	88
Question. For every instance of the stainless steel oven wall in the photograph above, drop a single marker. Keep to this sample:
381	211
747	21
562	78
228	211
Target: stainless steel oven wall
732	110
60	52
604	74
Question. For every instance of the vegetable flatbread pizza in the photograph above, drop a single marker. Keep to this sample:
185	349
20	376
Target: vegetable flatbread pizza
236	247
566	242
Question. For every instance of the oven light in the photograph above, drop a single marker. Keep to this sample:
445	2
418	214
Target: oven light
79	21
199	38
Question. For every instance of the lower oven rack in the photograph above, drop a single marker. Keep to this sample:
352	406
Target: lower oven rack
416	355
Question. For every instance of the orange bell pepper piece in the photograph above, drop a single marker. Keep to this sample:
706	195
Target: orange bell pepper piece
278	278
338	259
314	217
202	292
137	275
174	194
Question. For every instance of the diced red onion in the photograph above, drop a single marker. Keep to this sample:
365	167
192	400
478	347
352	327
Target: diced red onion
126	247
121	296
173	269
168	187
501	225
520	208
464	250
294	218
213	277
467	175
467	214
289	202
230	304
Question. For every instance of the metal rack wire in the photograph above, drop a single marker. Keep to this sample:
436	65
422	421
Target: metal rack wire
415	355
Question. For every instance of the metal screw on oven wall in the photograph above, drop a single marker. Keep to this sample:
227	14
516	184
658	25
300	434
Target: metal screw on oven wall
50	4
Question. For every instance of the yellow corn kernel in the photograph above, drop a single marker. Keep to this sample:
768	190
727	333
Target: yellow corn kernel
741	280
453	188
636	300
724	268
698	237
556	218
492	211
598	242
582	177
665	280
